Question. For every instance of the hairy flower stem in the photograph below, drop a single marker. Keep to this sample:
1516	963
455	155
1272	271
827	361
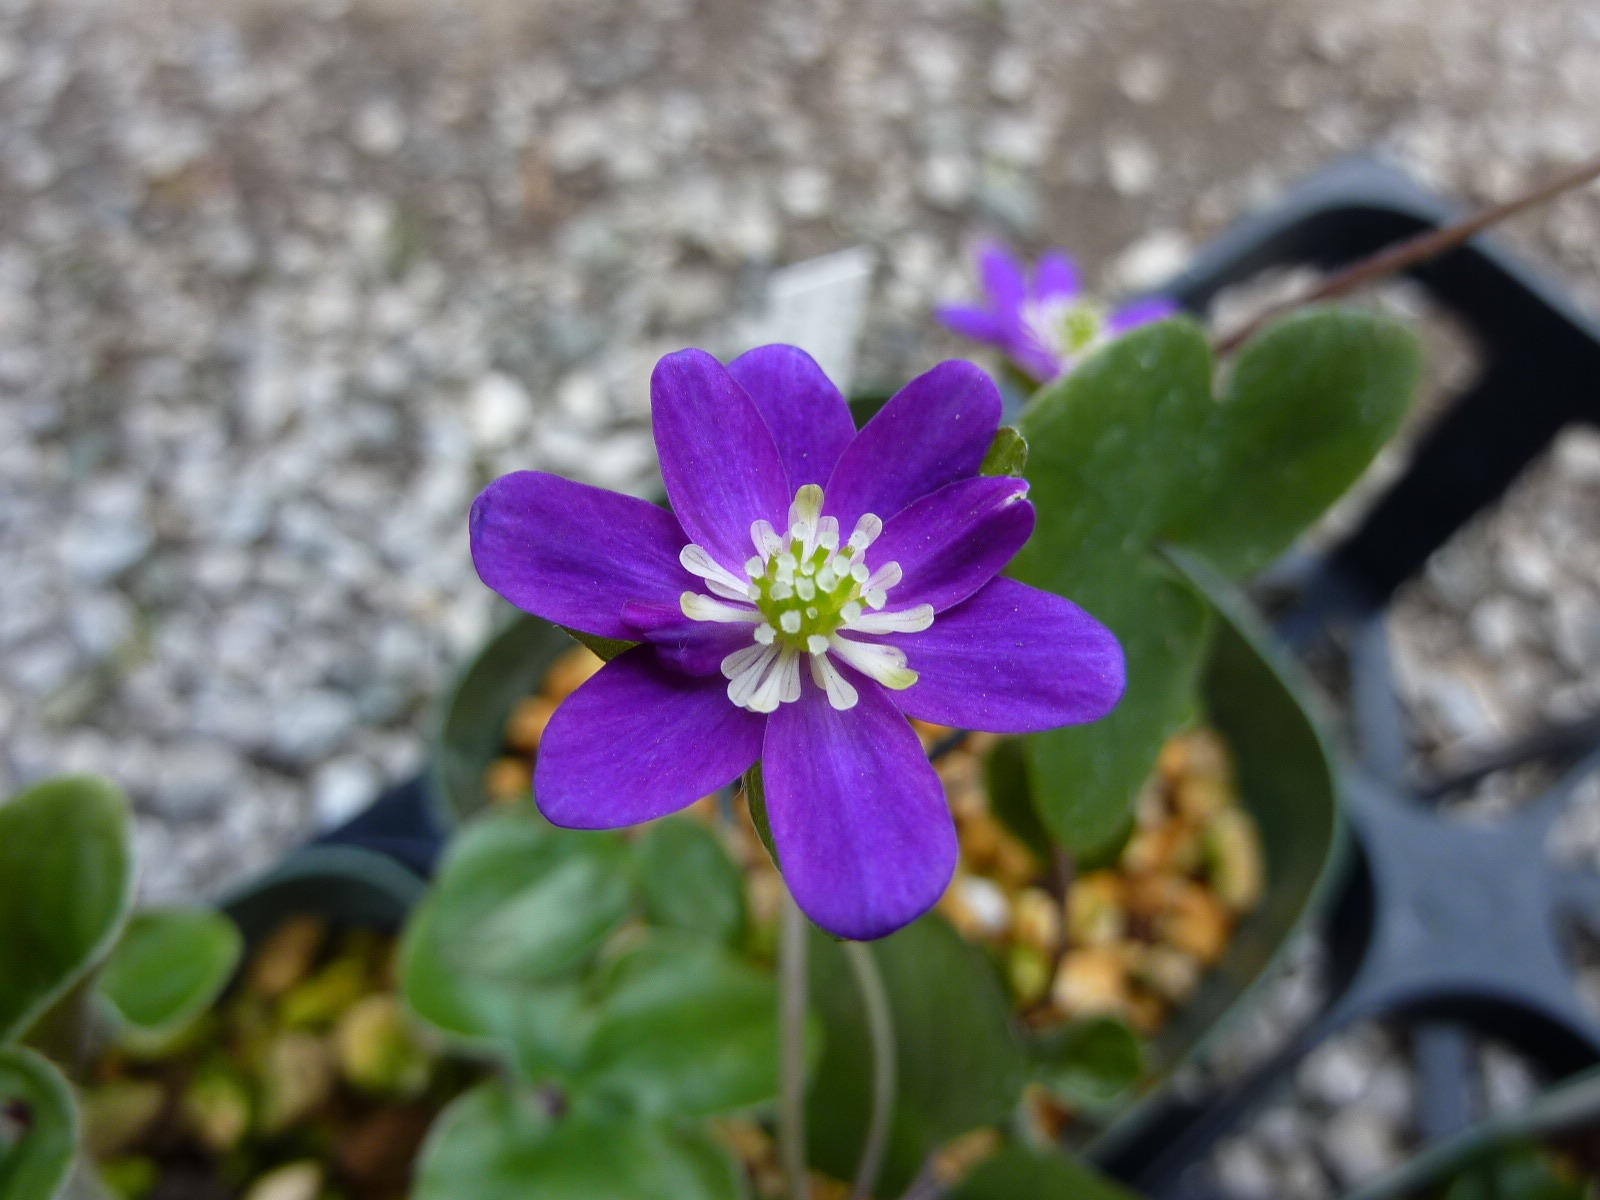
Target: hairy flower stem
792	1063
1404	255
880	1027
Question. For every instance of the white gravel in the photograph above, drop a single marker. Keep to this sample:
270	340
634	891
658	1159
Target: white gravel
283	282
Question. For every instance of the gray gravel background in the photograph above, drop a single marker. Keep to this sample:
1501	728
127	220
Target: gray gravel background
282	284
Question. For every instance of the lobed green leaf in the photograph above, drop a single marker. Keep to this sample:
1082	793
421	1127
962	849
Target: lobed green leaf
958	1064
1089	1064
1129	453
169	966
689	881
66	884
37	1163
497	1143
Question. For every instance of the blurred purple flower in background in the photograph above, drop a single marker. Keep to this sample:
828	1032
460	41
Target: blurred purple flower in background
1047	324
811	588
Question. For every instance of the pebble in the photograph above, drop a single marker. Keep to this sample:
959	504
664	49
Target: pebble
499	409
274	301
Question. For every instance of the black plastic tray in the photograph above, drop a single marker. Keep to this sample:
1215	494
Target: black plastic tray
1448	926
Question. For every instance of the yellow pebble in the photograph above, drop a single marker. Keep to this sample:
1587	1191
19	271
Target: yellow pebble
570	672
508	779
1096	909
1233	853
1036	919
1092	981
527	722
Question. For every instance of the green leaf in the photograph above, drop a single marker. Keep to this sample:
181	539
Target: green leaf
520	901
1007	454
1005	774
1104	443
66	883
35	1160
542	1029
1091	1063
169	966
1312	400
496	1144
1022	1173
1130	452
1518	1172
688	880
685	1027
493	955
604	648
958	1063
755	792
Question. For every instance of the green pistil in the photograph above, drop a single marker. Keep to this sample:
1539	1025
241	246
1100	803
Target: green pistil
822	612
1081	326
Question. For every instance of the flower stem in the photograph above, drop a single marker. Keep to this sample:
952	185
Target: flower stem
880	1027
792	1063
1404	255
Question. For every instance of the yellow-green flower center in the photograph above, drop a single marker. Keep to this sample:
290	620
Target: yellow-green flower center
802	592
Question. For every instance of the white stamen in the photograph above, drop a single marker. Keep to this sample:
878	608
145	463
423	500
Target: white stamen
744	684
867	530
875	590
698	561
703	608
742	659
886	664
841	694
907	620
802	591
782	683
766	539
744	592
803	515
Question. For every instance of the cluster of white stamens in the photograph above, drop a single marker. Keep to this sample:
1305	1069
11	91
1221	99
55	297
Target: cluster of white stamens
1068	326
801	593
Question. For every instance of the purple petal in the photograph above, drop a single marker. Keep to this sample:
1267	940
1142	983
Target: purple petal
1003	277
718	460
858	814
639	741
1141	312
978	324
1056	276
575	554
1035	360
1012	659
933	431
809	417
690	647
949	544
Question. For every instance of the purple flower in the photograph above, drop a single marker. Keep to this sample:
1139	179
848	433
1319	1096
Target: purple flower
811	589
1047	324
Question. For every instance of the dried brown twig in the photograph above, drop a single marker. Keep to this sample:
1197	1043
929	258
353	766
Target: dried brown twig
1403	255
